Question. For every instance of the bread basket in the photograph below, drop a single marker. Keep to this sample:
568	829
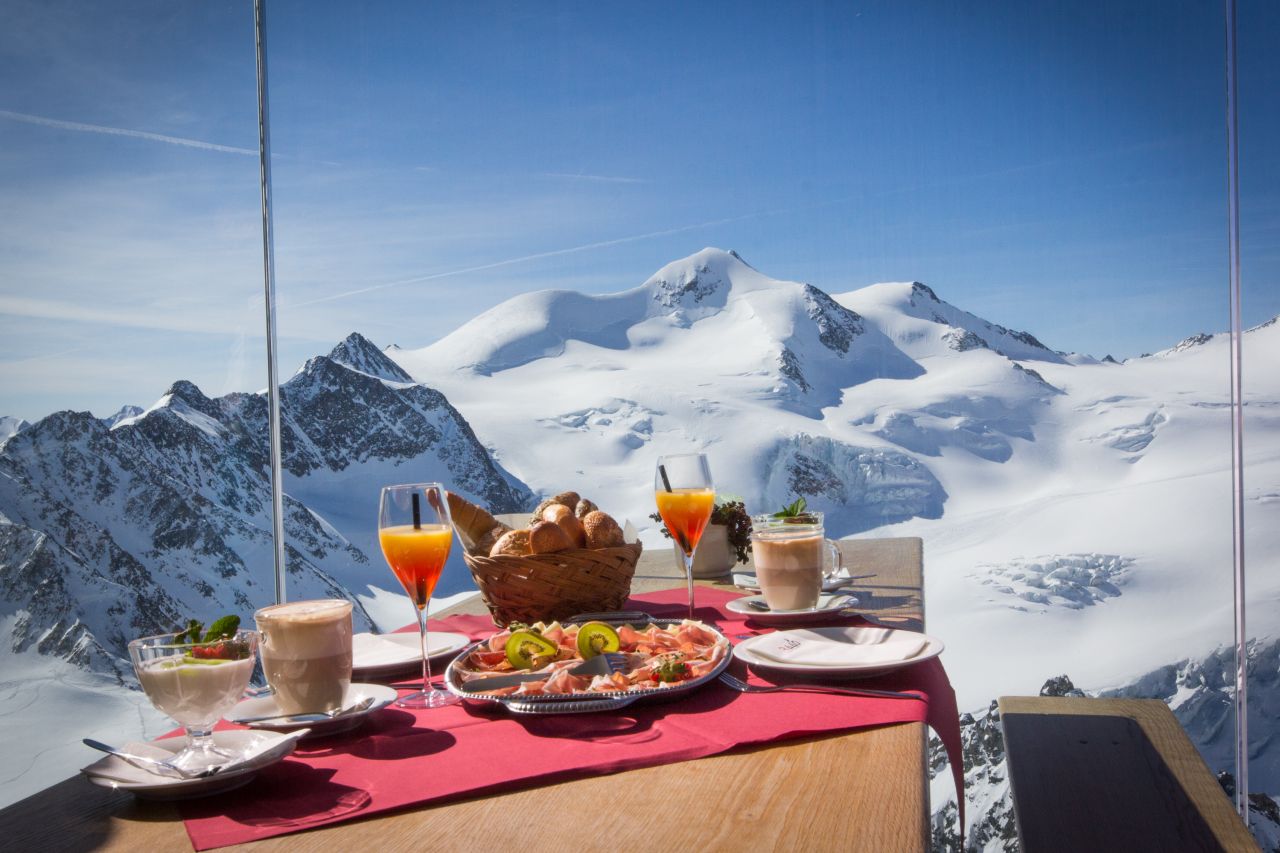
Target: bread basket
542	587
554	586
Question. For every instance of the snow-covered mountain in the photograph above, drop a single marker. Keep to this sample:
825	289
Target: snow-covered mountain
11	426
1075	512
115	529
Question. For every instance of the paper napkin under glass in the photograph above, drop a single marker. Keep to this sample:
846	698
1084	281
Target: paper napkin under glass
839	646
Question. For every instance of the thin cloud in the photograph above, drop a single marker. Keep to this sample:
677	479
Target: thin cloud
601	179
603	244
120	131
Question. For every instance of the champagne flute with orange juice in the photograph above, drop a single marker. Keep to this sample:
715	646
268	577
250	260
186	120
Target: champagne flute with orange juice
685	496
416	533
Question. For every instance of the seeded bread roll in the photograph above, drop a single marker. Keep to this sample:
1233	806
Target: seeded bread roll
513	543
546	537
569	499
569	523
602	531
536	515
584	506
486	542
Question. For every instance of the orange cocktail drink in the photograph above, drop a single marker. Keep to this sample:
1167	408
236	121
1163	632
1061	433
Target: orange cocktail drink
417	556
415	532
686	512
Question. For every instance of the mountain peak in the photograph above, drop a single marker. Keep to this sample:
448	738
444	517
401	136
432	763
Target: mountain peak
359	353
11	426
185	391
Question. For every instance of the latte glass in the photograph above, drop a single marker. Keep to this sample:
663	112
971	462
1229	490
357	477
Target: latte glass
306	653
790	556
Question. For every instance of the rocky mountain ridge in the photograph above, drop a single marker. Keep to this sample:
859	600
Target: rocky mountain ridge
117	528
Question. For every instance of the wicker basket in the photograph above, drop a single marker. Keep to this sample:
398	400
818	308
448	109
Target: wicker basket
545	587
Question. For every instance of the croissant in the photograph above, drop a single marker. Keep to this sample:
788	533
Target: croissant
472	522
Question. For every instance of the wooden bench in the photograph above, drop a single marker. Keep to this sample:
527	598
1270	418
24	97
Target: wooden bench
1112	774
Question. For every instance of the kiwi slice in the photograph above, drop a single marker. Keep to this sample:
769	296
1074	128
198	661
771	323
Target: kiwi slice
595	638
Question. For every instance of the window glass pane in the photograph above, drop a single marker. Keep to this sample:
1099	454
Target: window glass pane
1012	219
132	476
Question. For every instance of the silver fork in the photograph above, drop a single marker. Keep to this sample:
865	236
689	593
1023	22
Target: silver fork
743	687
602	664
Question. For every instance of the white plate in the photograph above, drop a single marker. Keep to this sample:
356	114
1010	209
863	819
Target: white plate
932	648
113	772
404	657
260	706
829	604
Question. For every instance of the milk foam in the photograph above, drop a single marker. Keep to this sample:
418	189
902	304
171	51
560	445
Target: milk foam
300	630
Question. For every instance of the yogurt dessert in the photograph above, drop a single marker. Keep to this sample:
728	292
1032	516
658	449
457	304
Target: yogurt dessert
194	691
306	653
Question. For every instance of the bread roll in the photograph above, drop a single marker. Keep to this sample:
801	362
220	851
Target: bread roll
486	542
546	537
569	523
536	516
513	543
569	499
602	531
584	506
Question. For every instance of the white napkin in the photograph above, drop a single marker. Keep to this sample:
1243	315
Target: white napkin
112	767
370	650
839	647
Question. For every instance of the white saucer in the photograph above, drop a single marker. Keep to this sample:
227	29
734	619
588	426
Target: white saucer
830	583
381	655
113	772
829	604
932	648
260	706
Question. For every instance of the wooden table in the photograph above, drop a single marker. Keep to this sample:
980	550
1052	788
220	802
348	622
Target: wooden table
867	790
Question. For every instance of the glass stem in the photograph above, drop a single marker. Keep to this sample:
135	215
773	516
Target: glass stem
422	638
200	740
688	574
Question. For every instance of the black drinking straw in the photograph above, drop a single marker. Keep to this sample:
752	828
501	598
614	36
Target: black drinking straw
417	512
666	484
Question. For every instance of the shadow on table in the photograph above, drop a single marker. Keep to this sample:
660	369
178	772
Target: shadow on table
286	794
389	735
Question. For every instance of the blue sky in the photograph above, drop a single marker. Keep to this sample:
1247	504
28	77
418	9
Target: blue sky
1052	167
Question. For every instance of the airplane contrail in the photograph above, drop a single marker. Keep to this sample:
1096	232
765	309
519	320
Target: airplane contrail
120	131
523	258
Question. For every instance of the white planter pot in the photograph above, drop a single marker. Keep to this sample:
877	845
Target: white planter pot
714	556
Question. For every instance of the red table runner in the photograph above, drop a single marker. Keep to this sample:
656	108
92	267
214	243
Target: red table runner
401	758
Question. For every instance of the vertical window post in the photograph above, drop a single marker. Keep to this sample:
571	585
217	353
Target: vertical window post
1237	428
269	286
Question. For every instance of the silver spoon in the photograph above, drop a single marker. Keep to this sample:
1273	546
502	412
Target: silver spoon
152	765
317	717
845	598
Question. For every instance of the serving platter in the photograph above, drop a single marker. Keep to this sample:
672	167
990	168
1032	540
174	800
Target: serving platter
585	703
